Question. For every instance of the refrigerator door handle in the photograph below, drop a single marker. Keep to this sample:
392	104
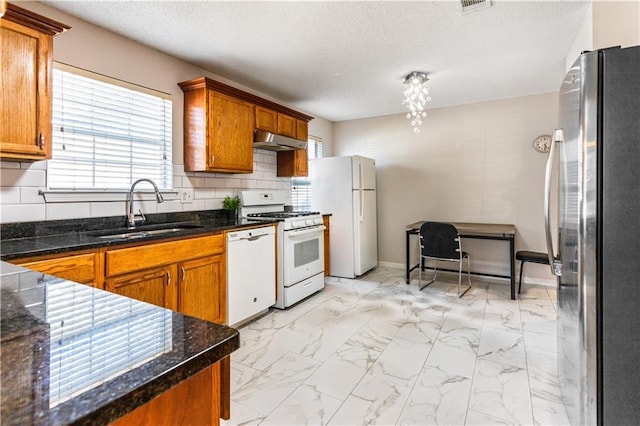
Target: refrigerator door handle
554	263
360	189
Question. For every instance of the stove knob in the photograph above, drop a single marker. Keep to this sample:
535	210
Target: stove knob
309	222
318	221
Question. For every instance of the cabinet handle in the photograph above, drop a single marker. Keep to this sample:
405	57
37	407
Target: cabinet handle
213	159
168	278
41	141
184	274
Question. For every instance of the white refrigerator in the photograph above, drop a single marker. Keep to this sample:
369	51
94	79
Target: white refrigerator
345	187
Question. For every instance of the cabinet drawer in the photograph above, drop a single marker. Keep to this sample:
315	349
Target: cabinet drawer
120	261
79	268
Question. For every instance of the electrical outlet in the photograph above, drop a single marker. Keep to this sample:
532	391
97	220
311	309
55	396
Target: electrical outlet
186	196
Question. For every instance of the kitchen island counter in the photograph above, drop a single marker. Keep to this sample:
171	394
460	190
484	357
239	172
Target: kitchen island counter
71	353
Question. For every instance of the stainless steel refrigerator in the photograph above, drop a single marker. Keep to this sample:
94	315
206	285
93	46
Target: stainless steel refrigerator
596	152
345	187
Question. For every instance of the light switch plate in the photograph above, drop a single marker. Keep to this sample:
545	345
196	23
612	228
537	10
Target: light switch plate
186	196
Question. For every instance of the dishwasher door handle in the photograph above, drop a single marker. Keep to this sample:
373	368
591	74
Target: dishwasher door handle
253	237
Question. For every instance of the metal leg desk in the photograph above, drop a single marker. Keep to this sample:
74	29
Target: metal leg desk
482	231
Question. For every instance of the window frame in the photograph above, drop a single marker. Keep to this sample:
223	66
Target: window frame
115	193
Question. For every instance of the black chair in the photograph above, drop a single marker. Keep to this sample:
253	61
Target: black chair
440	242
530	256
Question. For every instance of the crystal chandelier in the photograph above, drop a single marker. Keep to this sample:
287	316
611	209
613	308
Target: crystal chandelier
416	95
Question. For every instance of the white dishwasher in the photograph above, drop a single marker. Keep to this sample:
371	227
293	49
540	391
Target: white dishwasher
251	273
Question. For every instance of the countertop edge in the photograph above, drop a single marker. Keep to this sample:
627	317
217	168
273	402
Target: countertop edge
97	243
160	384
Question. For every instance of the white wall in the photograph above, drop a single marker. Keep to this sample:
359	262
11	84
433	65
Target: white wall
616	23
470	163
92	48
607	23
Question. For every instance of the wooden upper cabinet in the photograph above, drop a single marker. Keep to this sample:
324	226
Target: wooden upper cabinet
266	119
293	163
26	83
280	123
302	130
229	134
218	130
219	121
286	125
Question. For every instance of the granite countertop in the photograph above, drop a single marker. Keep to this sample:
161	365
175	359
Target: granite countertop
58	236
75	354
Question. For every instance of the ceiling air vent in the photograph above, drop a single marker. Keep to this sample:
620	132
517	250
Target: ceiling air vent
474	5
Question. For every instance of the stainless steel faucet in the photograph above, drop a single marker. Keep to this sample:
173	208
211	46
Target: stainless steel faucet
131	217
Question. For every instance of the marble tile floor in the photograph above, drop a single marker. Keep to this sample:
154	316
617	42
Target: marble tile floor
377	351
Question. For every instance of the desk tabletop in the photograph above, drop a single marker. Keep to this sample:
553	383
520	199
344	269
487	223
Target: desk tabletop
468	228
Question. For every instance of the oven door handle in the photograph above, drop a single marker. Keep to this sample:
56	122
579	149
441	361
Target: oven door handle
306	231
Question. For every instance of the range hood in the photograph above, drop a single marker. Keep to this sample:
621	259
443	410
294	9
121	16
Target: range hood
273	142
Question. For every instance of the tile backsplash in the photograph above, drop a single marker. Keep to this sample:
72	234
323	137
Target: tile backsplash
20	184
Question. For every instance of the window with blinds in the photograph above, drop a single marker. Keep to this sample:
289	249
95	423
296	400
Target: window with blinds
107	133
301	186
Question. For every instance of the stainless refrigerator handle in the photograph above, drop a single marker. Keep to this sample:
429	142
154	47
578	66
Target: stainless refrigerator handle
554	264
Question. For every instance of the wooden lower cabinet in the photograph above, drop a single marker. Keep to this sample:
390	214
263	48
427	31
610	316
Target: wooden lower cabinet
188	276
151	286
192	402
84	268
327	244
196	296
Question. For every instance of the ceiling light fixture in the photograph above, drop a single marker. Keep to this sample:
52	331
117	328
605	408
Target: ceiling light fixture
416	95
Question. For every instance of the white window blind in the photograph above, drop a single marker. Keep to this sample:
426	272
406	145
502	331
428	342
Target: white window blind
301	186
107	133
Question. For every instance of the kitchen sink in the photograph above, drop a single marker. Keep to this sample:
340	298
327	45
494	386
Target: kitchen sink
141	232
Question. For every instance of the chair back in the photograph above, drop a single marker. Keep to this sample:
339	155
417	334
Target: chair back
439	240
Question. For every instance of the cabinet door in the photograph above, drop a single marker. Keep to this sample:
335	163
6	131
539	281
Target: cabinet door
266	119
26	58
194	401
292	163
301	162
80	268
302	130
152	286
202	289
327	245
286	125
230	124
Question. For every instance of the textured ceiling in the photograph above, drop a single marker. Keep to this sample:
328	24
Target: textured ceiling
345	60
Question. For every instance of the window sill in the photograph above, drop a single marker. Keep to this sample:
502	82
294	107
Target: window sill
61	196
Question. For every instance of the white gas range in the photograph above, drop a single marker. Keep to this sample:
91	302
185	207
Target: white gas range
300	245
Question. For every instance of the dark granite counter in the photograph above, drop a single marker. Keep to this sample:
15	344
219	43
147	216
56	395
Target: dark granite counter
25	239
71	353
